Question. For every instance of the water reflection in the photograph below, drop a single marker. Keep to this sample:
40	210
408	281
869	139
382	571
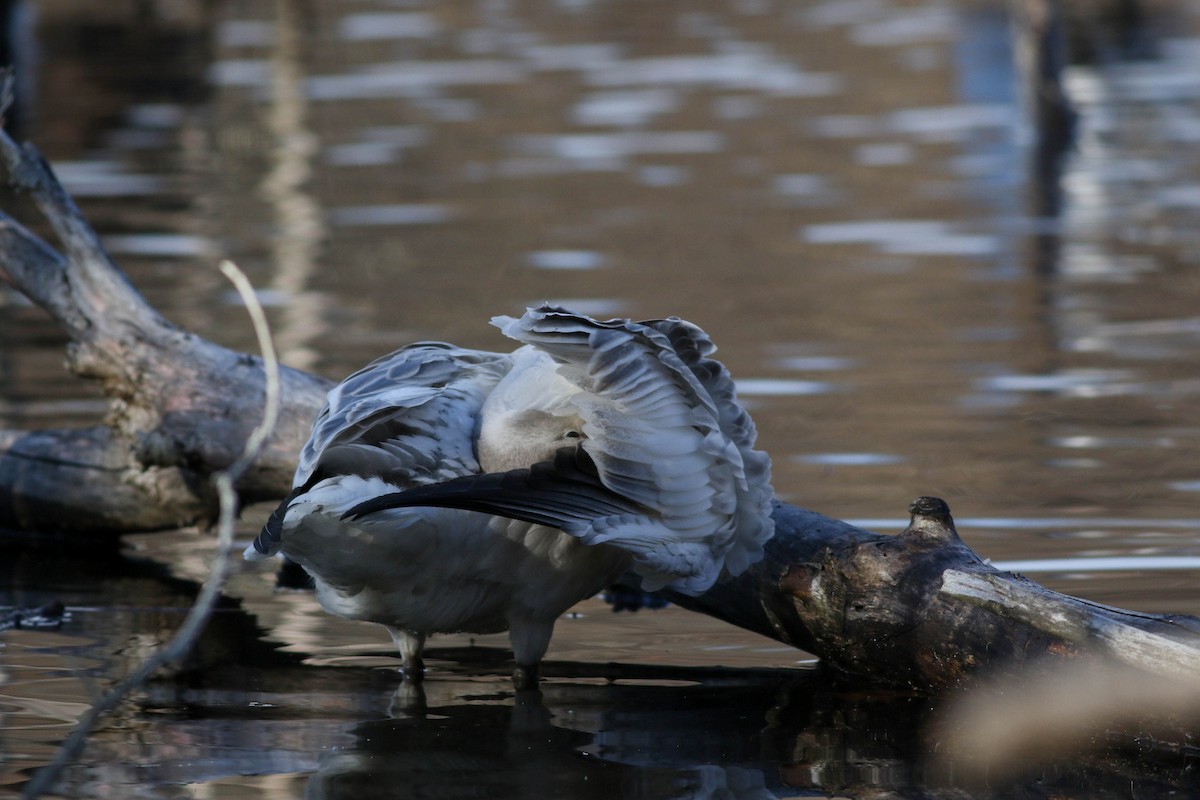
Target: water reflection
161	245
808	187
400	79
612	151
389	215
750	736
565	259
743	68
1084	566
813	363
105	179
378	146
574	741
624	107
759	387
388	25
1076	382
849	459
903	237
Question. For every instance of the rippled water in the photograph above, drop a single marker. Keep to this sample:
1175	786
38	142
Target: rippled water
840	192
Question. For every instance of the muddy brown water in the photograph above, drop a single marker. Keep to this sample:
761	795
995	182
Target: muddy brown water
839	192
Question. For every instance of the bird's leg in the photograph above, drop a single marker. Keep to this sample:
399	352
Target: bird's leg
525	676
530	639
411	645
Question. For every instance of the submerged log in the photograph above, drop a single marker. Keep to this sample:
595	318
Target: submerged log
918	609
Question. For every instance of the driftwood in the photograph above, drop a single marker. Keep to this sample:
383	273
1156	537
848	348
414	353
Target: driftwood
918	609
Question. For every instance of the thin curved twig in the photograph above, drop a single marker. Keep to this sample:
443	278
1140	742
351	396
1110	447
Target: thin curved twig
184	638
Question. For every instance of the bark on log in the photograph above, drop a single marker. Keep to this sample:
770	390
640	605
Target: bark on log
922	609
919	609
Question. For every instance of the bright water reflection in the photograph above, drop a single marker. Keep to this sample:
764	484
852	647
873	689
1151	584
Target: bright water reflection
1084	566
840	192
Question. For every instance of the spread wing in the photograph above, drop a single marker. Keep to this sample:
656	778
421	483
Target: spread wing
411	415
674	478
666	431
752	481
409	418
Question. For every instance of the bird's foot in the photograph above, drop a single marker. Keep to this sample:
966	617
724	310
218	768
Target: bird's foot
413	670
411	645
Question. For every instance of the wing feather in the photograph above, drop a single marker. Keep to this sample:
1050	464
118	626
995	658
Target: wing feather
412	413
408	418
665	431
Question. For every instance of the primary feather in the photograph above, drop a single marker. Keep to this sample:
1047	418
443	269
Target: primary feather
445	489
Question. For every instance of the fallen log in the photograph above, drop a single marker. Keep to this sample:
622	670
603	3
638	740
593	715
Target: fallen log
918	609
922	609
179	407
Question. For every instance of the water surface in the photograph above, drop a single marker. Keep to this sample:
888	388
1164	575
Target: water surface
841	193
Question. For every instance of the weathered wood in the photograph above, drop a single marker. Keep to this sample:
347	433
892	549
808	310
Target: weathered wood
179	407
918	609
83	480
1147	641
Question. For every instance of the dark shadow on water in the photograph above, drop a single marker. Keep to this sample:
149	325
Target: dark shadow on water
780	735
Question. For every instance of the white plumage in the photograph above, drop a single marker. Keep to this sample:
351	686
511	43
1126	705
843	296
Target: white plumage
445	489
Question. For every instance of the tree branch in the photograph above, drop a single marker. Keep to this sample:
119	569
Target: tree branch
179	406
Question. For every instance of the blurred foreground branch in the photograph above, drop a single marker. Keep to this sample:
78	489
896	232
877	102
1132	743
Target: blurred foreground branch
193	624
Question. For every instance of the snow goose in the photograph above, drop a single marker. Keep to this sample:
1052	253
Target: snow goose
446	490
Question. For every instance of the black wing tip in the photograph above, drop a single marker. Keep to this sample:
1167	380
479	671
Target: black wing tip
270	538
263	547
381	503
267	542
561	493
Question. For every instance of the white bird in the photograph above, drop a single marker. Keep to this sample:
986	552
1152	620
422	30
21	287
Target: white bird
447	490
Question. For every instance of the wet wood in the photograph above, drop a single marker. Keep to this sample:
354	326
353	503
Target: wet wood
917	609
922	609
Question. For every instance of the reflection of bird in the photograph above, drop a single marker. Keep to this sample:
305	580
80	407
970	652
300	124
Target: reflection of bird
445	489
705	741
